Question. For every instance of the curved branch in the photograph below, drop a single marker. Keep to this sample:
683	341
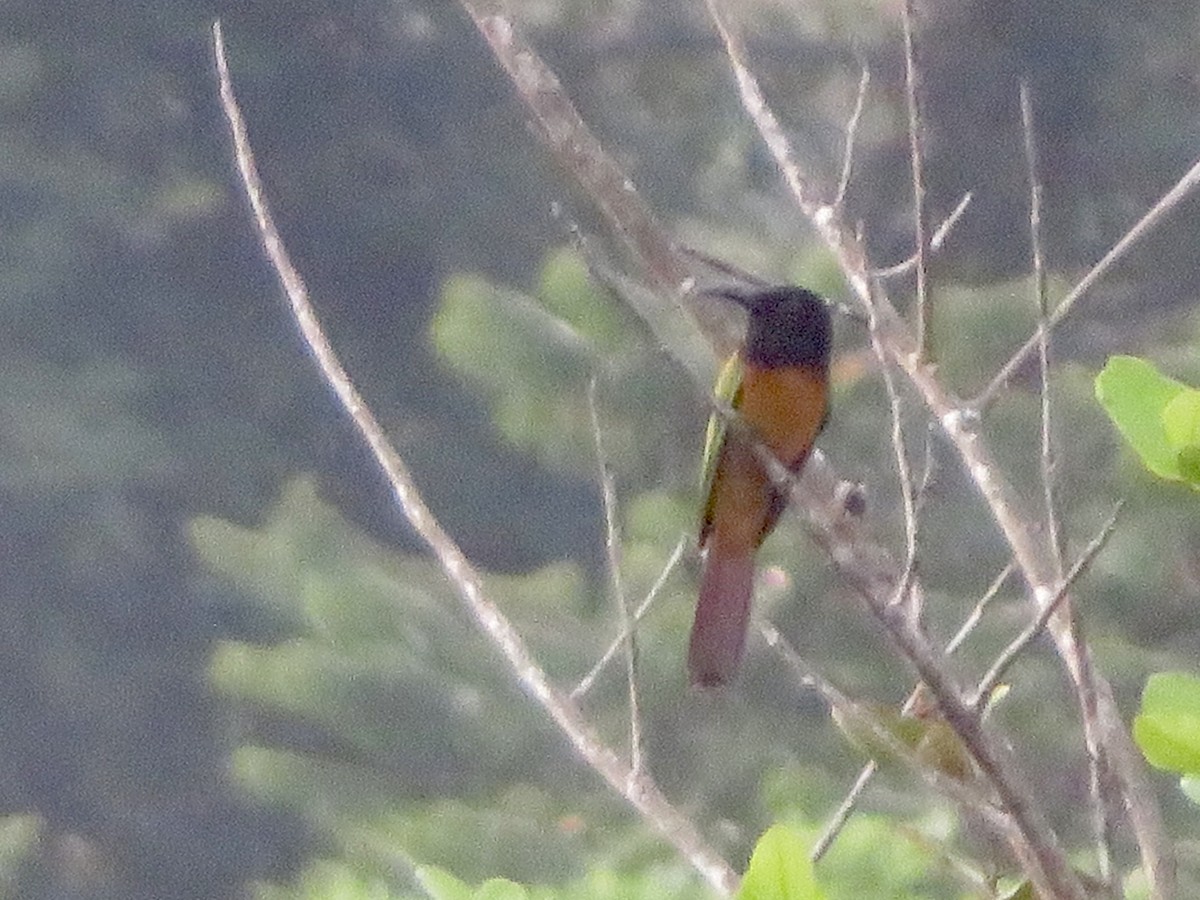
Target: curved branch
639	790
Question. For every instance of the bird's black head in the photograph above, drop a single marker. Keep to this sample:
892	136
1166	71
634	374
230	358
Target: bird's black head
789	326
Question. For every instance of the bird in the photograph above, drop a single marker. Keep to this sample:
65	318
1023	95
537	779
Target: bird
778	383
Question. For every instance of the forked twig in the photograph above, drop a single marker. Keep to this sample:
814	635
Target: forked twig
585	684
840	816
641	792
936	240
988	683
1143	227
959	790
612	543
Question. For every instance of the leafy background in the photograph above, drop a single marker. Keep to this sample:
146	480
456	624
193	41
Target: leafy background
227	667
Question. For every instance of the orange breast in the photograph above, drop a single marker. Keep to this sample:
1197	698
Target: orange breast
786	408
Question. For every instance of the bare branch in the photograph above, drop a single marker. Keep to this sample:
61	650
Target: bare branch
1043	332
916	155
1035	628
1143	227
642	793
960	791
585	683
943	231
1085	690
560	127
613	545
959	423
1039	848
1098	763
935	243
768	126
860	101
977	612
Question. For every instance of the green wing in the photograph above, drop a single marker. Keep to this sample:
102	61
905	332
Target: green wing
729	380
728	391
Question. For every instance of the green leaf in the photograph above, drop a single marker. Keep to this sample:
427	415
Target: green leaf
1181	421
501	889
1023	891
1188	461
780	868
1168	727
1135	395
441	885
1190	785
862	723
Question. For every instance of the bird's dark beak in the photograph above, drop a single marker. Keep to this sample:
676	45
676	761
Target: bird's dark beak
743	297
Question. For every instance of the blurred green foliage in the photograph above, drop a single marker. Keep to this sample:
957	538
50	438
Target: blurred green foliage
1167	727
1145	405
780	869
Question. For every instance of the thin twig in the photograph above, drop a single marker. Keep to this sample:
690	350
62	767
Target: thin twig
905	477
935	242
1099	766
1143	227
838	820
585	684
943	231
742	275
1043	332
613	546
1104	826
640	791
842	814
860	102
916	155
1035	628
860	717
576	148
768	125
977	612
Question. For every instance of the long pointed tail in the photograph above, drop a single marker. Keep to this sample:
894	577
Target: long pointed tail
722	616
